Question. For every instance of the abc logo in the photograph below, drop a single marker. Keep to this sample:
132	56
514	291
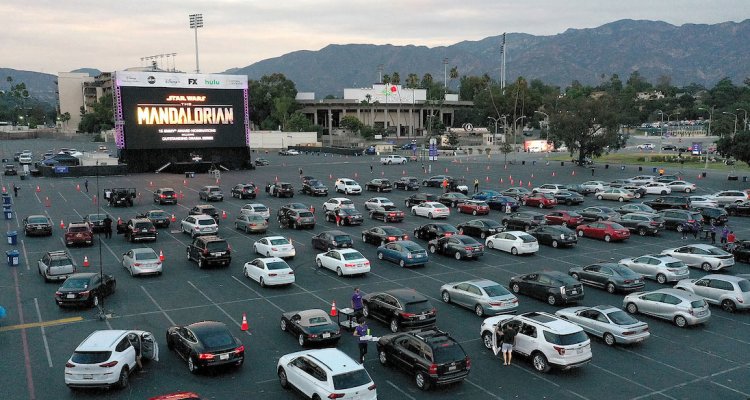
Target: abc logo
151	80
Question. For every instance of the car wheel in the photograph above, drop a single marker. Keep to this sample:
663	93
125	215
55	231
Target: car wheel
609	339
383	242
680	228
380	256
706	267
526	228
478	310
687	190
339	272
680	321
728	306
568	202
631	308
365	311
505	224
540	362
383	358
637	195
514	251
301	340
611	287
95	301
422	381
661	278
457	255
393	325
487	340
642	232
491	244
433	249
551	300
191	365
607	238
413	212
283	379
122	383
429	215
446	297
262	282
555	244
541	205
482	235
599	197
580	233
575	276
364	238
474	212
402	264
620	199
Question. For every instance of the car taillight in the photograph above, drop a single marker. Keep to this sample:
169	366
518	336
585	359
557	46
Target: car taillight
560	350
350	265
205	356
433	311
468	248
273	274
405	237
447	234
152	230
371	387
58	294
229	247
136	264
162	196
628	333
407	315
432	370
69	365
691	221
468	362
291	272
391	214
204	251
336	395
239	349
109	364
391	238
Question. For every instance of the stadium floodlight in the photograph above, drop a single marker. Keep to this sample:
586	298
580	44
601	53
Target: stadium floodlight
196	21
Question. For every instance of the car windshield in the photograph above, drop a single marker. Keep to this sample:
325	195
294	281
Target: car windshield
90	357
277	242
60	262
77	229
168	192
715	251
744	286
316	184
38	220
496	290
617	226
348	211
392	231
76	283
255	218
675	264
468	241
286	186
218	245
418	307
351	379
342	238
215	190
527	238
260	208
146	256
216	339
573	214
565	340
346	202
355	255
143	225
96	217
306	214
158	214
697	303
206	222
277	265
447	351
620	317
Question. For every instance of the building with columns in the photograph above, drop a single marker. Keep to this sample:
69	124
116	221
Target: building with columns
400	111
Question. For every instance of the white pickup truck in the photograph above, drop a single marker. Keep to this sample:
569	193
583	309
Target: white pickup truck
393	159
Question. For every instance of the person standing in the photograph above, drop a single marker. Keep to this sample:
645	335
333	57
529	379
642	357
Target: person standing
684	231
338	217
15	190
476	185
107	227
509	340
300	172
713	233
86	185
357	303
724	234
370	168
363	333
731	237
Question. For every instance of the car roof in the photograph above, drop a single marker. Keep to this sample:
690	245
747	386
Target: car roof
274	237
206	326
551	322
333	359
407	295
678	293
481	282
202	216
269	259
728	278
345	251
605	308
143	250
101	340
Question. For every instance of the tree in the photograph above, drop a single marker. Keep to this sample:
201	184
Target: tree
100	119
452	139
395	78
351	123
506	149
452	74
263	95
739	147
412	81
297	122
587	126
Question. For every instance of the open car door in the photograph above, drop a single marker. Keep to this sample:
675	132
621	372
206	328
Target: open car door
149	346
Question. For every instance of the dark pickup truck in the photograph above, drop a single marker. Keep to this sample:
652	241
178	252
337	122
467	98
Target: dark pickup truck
120	197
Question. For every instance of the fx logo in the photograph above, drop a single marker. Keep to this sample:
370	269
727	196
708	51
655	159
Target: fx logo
192	81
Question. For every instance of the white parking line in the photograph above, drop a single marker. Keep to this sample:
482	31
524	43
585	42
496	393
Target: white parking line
725	336
660	362
218	306
747	396
690	382
25	255
400	390
494	396
171	321
258	294
636	383
44	334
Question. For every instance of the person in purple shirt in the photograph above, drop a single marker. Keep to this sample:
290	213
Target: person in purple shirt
361	331
357	302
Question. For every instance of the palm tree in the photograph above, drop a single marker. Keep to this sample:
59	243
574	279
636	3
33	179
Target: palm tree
395	78
412	81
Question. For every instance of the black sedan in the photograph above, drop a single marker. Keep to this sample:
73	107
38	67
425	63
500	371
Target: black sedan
332	240
453	199
458	246
555	235
387	213
610	276
244	191
739	249
598	213
159	218
381	235
407	183
349	216
553	286
86	288
205	344
501	202
37	225
523	220
314	187
717	216
580	189
419	198
437	180
261	162
434	230
379	185
740	209
480	228
568	198
400	309
643	224
311	327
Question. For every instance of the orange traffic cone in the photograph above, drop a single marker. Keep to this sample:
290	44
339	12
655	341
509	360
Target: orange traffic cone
93	199
487	179
333	309
4	190
184	182
501	180
78	187
330	176
223	214
467	169
62	224
446	170
151	183
574	173
47	203
161	255
119	220
403	172
532	175
85	261
356	175
553	173
244	326
529	185
173	218
218	181
38	189
488	168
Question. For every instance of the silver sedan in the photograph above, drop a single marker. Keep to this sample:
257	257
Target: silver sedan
681	307
142	261
485	297
661	267
607	322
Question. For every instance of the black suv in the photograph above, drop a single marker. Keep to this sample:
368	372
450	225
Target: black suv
555	235
210	250
644	224
243	191
664	202
349	216
400	309
207	210
718	216
280	189
453	199
419	198
314	187
436	181
523	220
332	240
407	183
120	197
165	196
159	218
95	221
211	193
682	220
379	185
553	286
137	229
433	357
434	230
296	219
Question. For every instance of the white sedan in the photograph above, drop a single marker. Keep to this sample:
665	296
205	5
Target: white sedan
682	186
702	201
256	208
142	261
596	186
196	225
338	202
376	202
274	246
513	242
343	261
269	271
657	188
431	209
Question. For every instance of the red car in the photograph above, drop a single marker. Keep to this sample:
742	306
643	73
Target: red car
177	396
541	200
79	233
606	230
569	218
474	207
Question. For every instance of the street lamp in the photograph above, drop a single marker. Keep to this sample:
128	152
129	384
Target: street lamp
744	120
515	138
710	117
196	21
546	121
735	122
661	129
496	120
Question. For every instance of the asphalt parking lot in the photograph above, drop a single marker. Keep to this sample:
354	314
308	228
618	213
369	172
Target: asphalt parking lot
702	362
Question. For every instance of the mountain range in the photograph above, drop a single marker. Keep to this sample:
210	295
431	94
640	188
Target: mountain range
690	53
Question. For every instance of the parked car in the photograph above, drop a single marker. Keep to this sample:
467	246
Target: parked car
337	202
142	261
85	288
594	186
269	271
256	208
634	207
379	185
739	249
328	240
657	188
405	253
605	230
205	209
205	344
513	242
78	233
668	202
280	189
56	265
314	187
713	215
210	250
637	191
661	267
347	216
165	196
311	327
261	162
406	183
484	195
480	228
274	246
374	202
570	219
393	159
642	223
681	220
401	309
680	307
211	193
643	179
682	186
551	188
568	198
137	229
555	235
159	218
483	296
541	200
453	199
380	235
552	286
610	276
37	225
343	261
387	213
197	225
726	197
514	192
106	358
732	293
580	189
523	220
440	360
615	194
347	186
296	218
434	230
431	210
436	181
251	223
474	207
244	191
598	213
418	198
739	209
703	256
502	202
610	323
460	246
344	377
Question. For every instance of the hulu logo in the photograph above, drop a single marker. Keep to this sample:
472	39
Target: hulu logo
211	82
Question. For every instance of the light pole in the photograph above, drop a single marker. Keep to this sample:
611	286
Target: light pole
744	120
735	122
496	120
445	76
661	129
196	21
710	117
546	121
515	139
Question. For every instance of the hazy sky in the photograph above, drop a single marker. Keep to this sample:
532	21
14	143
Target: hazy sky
61	35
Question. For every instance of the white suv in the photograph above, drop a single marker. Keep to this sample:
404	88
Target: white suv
348	186
325	374
550	188
106	358
547	339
